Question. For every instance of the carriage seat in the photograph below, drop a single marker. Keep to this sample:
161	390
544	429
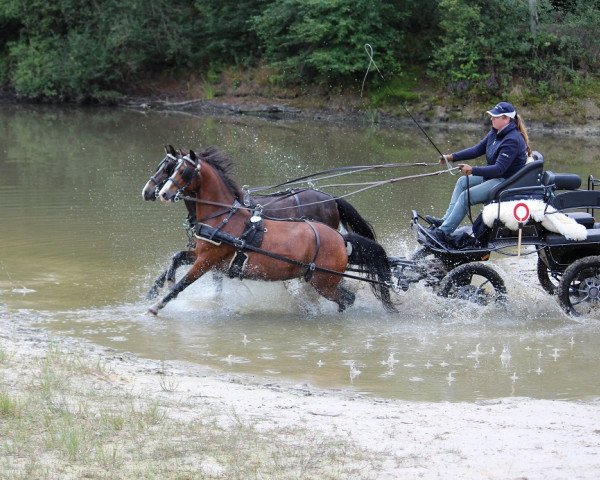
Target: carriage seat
529	176
583	218
561	181
573	198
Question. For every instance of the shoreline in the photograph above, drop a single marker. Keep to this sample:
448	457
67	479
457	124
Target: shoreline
353	113
364	437
261	108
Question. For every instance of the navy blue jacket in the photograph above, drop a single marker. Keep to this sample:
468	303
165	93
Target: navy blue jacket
505	152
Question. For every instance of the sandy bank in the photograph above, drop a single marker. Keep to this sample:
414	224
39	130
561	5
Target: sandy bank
332	434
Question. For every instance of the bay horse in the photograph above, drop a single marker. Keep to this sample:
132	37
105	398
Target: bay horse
287	249
291	204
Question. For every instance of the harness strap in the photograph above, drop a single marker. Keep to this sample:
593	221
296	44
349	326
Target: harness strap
298	204
232	211
312	265
203	232
253	235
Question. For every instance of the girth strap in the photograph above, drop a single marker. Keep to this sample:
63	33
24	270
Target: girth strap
312	265
253	235
298	205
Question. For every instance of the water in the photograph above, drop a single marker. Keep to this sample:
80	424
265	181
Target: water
80	248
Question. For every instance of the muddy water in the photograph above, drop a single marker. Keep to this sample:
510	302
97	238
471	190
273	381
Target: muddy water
79	249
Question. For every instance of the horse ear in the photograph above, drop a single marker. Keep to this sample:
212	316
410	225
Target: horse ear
171	150
166	149
193	155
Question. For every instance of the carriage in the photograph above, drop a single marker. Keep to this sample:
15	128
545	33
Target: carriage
568	257
561	230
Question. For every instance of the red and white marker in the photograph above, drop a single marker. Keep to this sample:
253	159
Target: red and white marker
521	214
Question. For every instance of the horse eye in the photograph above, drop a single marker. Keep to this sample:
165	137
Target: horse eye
187	174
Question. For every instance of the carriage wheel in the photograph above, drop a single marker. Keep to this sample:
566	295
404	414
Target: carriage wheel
420	254
433	268
474	282
548	283
579	288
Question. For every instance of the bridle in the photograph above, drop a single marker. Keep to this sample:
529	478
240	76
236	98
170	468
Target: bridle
192	171
163	167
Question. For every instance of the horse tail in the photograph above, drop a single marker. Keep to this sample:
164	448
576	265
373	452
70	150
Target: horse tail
352	220
372	257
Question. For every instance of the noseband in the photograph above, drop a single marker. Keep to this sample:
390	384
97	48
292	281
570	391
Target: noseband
195	166
163	167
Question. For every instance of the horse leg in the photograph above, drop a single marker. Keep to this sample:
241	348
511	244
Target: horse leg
158	283
336	293
180	258
185	257
199	269
346	298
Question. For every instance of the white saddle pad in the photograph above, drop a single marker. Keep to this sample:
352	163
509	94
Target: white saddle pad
550	219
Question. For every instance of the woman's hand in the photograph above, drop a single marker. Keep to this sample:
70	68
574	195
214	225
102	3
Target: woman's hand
465	169
444	159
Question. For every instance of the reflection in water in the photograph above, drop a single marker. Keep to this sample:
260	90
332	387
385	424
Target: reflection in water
80	248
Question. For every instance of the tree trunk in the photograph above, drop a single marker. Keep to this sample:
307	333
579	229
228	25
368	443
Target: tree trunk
533	18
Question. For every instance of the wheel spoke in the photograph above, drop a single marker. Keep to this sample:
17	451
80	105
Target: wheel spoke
579	289
473	282
580	301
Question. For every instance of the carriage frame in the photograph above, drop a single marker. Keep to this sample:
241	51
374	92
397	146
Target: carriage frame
567	269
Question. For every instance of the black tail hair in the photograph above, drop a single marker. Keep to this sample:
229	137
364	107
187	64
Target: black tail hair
372	257
352	220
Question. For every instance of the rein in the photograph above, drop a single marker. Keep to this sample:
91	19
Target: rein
338	172
367	186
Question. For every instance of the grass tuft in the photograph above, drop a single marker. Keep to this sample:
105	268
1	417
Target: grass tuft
9	407
74	420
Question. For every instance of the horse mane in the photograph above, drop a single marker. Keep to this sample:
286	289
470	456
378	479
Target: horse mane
221	162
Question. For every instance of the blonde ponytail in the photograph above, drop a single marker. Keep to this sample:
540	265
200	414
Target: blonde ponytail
523	129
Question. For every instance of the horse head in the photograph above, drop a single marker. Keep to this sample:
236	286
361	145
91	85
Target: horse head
185	175
163	171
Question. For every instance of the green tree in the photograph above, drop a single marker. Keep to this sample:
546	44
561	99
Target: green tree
83	49
481	43
323	40
488	45
228	36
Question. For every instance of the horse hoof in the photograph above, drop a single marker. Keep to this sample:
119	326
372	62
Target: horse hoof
153	311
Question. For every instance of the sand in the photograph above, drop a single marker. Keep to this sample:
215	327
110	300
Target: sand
506	438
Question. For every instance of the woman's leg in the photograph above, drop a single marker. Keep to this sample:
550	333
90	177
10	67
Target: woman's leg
460	187
476	194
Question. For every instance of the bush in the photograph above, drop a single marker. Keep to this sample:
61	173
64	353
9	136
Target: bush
73	49
487	46
228	36
323	40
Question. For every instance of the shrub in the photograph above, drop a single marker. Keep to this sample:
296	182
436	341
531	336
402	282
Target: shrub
78	49
323	40
487	45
